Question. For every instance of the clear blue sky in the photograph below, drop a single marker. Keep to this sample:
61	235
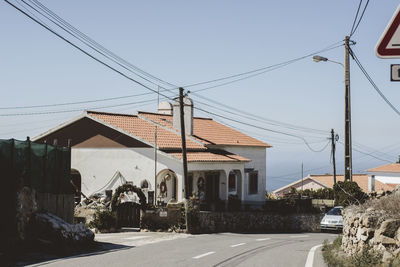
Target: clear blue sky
185	42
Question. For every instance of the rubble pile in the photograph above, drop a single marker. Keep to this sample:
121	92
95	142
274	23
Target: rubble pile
52	230
85	210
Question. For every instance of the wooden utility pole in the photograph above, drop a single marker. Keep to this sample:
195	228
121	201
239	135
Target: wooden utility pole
183	138
348	168
184	156
333	149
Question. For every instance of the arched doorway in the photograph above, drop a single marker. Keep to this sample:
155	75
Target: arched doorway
76	181
166	187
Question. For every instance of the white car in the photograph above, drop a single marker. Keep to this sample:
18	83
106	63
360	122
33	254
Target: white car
333	219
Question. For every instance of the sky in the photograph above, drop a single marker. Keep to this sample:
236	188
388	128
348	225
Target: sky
189	42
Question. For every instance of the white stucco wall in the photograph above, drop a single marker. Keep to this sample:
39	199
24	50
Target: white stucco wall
199	169
98	165
387	178
258	156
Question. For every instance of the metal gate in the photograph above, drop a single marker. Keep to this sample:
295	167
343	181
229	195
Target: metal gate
128	215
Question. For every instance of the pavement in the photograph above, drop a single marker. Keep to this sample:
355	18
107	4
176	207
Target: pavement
223	249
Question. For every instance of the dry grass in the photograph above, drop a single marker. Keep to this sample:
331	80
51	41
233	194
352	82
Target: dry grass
389	204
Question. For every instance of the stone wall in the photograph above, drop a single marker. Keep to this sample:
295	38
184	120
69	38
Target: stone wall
167	218
252	221
370	229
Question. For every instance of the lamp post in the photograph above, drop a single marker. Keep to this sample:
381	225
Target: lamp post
348	165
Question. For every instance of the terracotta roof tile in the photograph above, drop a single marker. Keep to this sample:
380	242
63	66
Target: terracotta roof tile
391	167
144	130
214	156
360	179
209	131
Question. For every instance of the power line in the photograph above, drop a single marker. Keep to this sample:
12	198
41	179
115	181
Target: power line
355	18
269	138
75	103
362	15
270	121
244	116
262	128
84	51
86	39
262	70
73	110
373	83
367	154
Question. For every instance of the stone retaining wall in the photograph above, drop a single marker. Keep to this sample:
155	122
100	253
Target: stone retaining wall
252	221
370	229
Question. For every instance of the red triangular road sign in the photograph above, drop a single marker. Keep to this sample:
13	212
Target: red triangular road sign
388	45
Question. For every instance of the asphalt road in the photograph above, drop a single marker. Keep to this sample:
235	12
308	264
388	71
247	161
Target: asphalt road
225	249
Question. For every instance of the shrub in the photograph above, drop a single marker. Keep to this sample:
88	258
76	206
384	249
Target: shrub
334	256
348	193
390	204
104	220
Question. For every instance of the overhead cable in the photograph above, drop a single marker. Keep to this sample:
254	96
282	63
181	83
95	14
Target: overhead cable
74	110
265	129
362	14
259	71
84	51
270	121
60	22
373	83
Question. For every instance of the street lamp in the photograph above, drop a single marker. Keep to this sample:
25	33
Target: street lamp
319	58
348	168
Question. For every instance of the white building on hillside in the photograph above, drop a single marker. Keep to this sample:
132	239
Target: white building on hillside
110	149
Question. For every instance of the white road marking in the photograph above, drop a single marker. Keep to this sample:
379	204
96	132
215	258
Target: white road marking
310	256
236	245
298	236
263	239
136	237
203	255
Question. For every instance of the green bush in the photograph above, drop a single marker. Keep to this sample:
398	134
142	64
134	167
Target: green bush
321	193
104	220
348	193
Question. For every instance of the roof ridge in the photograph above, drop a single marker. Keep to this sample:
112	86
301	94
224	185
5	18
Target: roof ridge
153	113
111	113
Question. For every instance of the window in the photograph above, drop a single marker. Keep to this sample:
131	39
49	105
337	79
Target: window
253	183
232	181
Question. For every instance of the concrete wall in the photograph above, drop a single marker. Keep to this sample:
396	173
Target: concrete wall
213	222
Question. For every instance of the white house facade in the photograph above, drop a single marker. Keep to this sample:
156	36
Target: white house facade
111	149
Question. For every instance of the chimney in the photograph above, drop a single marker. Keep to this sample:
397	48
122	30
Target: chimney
188	115
371	183
165	108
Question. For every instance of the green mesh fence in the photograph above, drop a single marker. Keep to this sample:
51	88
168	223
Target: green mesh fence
43	167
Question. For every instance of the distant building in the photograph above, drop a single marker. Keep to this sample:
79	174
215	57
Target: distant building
388	174
316	182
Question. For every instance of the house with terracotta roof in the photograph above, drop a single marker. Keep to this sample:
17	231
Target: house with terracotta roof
388	174
110	149
316	182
